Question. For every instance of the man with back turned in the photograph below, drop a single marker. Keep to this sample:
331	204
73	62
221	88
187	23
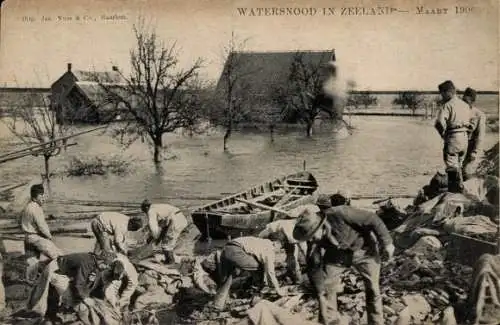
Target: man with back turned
453	124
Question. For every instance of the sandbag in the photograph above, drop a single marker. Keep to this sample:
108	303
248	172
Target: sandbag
268	313
478	188
476	225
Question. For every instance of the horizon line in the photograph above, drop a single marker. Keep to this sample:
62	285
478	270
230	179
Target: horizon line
360	91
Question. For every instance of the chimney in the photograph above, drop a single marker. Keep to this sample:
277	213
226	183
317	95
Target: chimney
333	56
69	67
115	68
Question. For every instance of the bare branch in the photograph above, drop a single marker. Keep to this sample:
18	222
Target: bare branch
155	94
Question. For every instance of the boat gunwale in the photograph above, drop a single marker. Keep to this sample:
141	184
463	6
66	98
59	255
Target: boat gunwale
207	207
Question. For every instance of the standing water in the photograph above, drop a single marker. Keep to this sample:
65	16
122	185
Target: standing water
383	156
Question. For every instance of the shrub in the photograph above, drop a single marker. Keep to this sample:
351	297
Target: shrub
97	166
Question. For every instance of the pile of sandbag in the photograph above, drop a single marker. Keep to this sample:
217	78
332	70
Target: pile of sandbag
489	165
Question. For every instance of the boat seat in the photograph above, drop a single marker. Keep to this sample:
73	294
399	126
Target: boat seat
265	196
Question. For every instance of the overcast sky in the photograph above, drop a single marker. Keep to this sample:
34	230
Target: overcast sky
382	52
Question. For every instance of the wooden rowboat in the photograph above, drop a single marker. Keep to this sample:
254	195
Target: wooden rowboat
248	212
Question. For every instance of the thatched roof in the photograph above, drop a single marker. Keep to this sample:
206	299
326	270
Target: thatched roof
263	71
108	77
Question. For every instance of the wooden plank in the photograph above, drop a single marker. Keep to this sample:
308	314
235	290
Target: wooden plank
262	206
159	268
299	186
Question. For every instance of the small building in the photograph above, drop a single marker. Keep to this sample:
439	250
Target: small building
78	96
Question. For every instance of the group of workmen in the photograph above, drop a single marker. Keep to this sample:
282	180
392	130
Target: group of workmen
98	286
331	234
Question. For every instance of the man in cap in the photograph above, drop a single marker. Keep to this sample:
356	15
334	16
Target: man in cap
282	231
244	253
341	237
110	229
453	125
476	134
166	223
38	239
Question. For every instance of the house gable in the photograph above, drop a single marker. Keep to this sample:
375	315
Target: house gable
261	72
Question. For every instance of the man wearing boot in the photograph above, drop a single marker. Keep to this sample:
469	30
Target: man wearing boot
342	237
251	254
166	223
453	125
476	135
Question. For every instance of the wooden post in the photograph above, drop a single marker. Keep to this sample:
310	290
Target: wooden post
304	164
208	228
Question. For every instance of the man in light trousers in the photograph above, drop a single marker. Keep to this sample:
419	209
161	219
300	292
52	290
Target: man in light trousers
453	125
166	223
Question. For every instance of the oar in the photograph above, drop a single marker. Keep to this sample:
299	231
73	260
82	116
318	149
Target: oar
262	206
286	196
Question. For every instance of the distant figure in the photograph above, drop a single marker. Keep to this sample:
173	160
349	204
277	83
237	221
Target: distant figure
476	135
110	229
453	124
244	253
166	223
38	239
282	231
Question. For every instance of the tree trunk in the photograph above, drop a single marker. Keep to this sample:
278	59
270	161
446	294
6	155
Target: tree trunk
46	162
226	136
158	145
309	129
271	132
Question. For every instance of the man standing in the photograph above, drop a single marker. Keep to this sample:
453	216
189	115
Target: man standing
38	239
453	124
110	230
166	223
282	231
2	288
476	135
342	237
243	253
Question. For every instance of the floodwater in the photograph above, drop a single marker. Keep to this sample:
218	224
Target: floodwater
383	156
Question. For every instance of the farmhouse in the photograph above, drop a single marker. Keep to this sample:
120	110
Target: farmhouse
260	73
77	95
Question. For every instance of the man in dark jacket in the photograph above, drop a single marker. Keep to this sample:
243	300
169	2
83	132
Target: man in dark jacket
341	237
82	271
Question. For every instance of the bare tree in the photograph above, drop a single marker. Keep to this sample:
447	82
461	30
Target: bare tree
156	94
231	90
411	99
304	95
32	119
